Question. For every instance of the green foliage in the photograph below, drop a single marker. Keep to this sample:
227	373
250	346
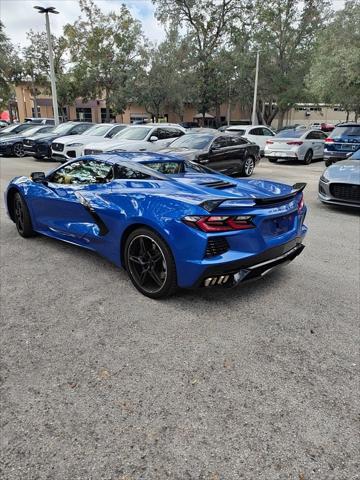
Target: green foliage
335	72
9	68
105	49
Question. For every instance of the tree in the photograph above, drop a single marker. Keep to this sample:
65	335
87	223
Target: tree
163	82
285	32
9	68
335	76
208	23
105	49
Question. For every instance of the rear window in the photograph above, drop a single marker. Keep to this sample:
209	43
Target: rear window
290	134
346	131
239	131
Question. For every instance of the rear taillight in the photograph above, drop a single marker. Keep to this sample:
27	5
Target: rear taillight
294	142
219	223
269	142
329	140
301	204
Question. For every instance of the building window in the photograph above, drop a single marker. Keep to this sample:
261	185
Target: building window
84	114
103	115
309	109
33	112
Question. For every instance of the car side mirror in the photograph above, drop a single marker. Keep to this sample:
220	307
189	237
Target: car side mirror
214	148
153	138
38	177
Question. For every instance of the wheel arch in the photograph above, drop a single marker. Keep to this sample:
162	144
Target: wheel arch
131	228
10	201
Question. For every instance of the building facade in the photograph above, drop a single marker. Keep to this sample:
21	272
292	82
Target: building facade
95	111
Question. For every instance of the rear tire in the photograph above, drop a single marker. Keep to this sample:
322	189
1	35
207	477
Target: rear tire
39	157
248	167
18	150
22	217
150	264
308	157
272	160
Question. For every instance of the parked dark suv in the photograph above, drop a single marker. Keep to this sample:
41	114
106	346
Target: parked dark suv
343	141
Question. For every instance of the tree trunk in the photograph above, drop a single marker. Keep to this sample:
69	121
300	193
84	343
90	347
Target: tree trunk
281	118
356	115
347	115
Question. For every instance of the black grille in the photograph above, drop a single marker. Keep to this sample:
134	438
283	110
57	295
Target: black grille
58	147
219	184
216	246
345	191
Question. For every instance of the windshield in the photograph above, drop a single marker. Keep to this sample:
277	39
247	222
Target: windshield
290	134
63	127
133	133
346	131
32	131
99	130
8	129
192	141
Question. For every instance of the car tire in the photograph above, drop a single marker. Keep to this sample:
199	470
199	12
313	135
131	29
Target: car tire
308	157
272	160
22	217
18	150
150	264
39	157
248	167
328	163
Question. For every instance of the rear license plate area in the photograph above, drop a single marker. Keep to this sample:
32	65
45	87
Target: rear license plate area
278	226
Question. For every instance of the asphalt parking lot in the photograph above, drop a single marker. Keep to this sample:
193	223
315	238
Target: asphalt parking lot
258	382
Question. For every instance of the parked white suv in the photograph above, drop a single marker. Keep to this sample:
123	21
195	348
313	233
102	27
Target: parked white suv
139	138
255	133
71	146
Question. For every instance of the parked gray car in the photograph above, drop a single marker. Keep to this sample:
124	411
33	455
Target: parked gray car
340	183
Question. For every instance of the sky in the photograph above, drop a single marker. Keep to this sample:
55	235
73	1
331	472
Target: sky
18	16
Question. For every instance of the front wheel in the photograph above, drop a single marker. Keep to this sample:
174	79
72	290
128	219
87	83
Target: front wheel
22	217
18	150
150	264
308	157
248	167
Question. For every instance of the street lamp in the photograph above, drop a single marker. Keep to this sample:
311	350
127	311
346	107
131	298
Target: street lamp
253	117
51	60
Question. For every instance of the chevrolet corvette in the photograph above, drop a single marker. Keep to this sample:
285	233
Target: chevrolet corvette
170	223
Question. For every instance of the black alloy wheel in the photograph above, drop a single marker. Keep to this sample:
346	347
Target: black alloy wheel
150	264
308	157
18	150
22	217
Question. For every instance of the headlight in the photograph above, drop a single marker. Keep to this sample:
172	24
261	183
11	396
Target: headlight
324	178
75	144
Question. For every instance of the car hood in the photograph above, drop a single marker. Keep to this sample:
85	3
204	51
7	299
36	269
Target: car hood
113	144
84	139
344	171
10	138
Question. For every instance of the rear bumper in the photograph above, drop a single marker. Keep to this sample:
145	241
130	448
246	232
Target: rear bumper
285	155
252	267
335	156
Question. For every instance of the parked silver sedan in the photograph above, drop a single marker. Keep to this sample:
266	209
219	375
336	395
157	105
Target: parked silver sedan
340	183
294	144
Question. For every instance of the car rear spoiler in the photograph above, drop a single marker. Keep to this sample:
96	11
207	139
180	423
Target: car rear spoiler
211	205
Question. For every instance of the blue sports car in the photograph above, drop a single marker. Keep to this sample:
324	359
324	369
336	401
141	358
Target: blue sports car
170	223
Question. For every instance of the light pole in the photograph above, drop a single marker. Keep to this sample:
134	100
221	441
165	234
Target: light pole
51	60
253	117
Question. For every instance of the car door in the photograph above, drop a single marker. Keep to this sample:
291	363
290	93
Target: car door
219	157
61	206
315	140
